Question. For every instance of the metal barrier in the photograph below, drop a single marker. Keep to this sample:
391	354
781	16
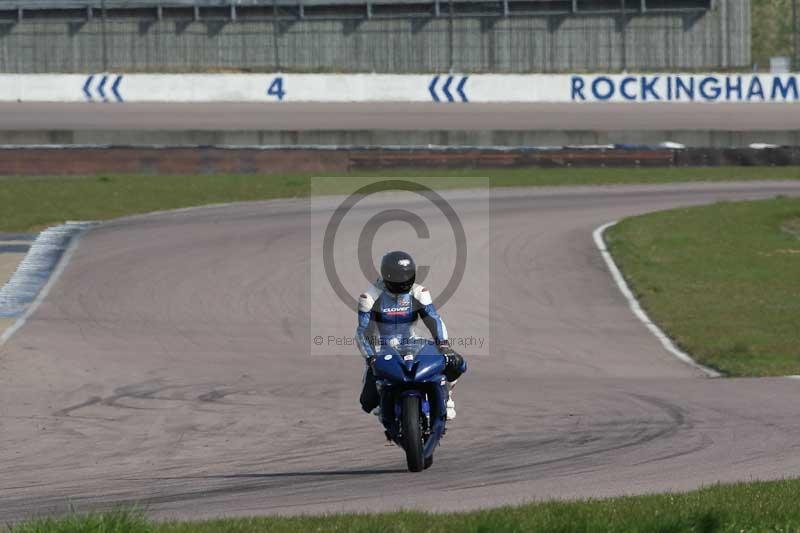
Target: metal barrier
371	8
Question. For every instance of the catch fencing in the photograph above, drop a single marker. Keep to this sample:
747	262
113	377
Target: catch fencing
506	36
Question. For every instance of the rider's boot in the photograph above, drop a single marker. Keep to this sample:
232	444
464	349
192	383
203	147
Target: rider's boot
451	409
451	405
370	399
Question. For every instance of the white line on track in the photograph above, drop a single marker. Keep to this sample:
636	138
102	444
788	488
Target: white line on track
81	228
637	309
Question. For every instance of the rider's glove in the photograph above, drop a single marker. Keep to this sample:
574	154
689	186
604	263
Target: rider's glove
371	362
454	363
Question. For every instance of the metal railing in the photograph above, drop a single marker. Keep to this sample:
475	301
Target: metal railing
371	8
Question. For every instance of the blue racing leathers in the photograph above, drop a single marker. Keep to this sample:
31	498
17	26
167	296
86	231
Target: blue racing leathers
383	316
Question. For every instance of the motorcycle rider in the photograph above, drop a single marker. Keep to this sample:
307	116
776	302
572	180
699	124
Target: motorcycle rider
390	307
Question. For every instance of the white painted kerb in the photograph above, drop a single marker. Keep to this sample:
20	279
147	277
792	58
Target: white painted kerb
633	303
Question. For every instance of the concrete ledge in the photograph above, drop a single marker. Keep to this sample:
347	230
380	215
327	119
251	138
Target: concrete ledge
698	138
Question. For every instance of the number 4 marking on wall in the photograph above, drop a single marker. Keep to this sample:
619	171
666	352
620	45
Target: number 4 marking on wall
276	88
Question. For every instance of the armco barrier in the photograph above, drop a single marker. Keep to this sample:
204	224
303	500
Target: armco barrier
92	160
461	89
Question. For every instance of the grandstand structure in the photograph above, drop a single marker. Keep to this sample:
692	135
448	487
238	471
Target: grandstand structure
397	36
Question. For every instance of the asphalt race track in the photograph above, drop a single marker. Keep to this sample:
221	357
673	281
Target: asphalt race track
169	366
399	116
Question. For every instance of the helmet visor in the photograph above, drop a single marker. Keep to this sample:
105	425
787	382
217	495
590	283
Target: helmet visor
399	286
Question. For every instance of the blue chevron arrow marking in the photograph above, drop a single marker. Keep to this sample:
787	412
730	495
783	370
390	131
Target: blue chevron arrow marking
101	88
432	88
446	89
460	89
98	92
115	88
445	93
87	87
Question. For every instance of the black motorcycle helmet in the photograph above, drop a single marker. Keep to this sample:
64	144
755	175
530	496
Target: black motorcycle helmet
398	271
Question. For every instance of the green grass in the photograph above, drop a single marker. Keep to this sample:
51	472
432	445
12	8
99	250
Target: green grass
722	280
31	203
756	506
117	521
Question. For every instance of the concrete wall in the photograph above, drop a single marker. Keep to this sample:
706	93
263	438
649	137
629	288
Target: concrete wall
718	39
455	88
695	138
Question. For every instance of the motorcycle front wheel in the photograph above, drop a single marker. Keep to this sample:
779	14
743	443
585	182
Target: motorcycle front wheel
412	431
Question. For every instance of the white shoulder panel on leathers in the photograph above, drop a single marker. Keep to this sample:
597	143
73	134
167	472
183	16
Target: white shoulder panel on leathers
367	298
421	294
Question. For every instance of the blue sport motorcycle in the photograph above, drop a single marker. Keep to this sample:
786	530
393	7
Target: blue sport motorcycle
413	392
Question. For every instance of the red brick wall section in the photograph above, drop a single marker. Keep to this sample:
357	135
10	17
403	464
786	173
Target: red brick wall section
211	160
167	161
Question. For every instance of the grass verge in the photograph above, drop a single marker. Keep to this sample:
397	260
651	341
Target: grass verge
32	203
755	506
722	280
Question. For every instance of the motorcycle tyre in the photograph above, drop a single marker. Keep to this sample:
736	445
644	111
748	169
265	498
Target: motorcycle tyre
412	434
